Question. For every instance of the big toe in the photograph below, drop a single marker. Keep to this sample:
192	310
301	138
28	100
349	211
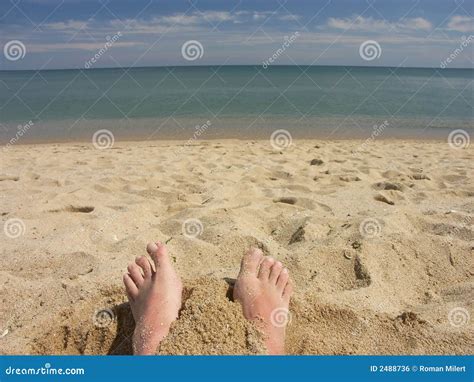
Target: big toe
250	262
158	253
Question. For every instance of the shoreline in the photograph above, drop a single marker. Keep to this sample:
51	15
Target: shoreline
182	142
178	141
225	128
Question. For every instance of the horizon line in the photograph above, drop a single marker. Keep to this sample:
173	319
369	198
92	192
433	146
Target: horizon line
229	65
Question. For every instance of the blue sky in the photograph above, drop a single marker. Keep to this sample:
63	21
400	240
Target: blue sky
68	33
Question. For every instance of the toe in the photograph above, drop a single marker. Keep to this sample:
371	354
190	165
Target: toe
144	264
283	280
158	253
250	262
275	272
288	291
265	266
130	287
135	274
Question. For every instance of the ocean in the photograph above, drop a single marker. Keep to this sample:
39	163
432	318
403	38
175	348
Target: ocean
236	101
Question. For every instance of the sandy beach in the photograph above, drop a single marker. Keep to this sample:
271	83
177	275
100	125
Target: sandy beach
377	237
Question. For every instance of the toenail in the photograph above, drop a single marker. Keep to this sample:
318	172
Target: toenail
151	248
279	264
284	270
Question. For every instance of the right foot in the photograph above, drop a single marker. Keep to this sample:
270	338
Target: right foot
264	289
154	296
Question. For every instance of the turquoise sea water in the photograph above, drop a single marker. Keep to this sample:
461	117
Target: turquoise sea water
238	100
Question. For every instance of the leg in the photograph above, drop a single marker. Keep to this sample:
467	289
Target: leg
154	296
263	288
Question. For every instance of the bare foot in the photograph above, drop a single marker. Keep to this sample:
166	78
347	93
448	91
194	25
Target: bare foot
154	296
263	288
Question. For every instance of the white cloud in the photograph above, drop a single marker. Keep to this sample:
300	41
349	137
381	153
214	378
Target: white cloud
357	23
417	23
289	17
42	48
461	23
196	18
71	25
370	24
170	23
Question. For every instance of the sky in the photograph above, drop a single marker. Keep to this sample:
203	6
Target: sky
58	34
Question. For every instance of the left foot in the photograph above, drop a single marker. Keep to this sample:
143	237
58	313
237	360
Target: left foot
154	296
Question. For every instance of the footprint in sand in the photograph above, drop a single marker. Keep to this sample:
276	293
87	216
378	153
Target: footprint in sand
361	272
75	209
9	177
420	177
350	178
286	200
388	186
384	199
302	202
316	162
